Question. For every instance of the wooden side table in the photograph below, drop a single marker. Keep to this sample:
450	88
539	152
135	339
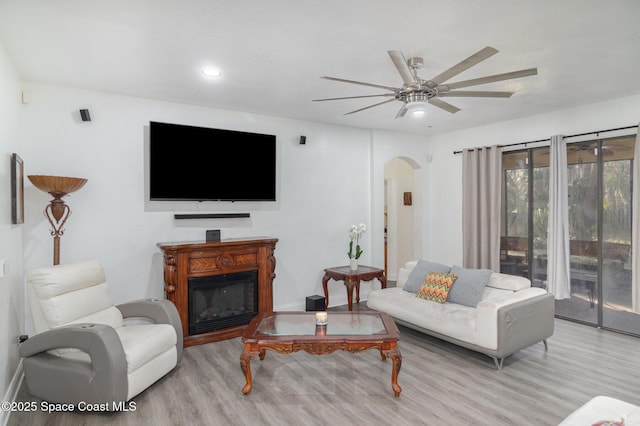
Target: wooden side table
352	280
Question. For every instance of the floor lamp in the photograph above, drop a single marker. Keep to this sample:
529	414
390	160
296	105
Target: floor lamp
57	211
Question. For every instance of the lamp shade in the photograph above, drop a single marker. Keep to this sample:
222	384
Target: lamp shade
58	186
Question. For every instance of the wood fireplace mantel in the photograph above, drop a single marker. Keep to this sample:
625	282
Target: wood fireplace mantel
186	260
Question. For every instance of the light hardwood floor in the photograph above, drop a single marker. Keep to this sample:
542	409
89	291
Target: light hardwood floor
442	385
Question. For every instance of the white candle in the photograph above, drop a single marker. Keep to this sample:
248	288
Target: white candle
321	317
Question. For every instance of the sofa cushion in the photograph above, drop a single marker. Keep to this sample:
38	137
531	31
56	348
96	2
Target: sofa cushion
436	287
142	343
468	287
508	282
71	293
449	319
419	274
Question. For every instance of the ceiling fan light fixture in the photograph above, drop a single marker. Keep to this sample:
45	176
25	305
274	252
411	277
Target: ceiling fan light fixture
417	103
417	110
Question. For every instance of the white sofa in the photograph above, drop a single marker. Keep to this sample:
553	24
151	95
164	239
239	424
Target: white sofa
509	316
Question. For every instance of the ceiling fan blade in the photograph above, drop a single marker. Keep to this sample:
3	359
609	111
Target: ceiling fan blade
493	78
360	83
352	97
402	112
371	106
472	60
444	105
401	65
475	94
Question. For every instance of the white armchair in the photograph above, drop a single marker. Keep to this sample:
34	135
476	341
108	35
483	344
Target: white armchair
83	350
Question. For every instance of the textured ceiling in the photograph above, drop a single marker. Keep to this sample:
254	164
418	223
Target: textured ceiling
273	53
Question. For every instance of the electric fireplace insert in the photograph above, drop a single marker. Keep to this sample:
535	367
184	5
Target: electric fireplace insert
222	301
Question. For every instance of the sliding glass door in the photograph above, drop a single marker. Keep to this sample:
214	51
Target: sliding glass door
525	198
514	241
600	193
583	176
616	290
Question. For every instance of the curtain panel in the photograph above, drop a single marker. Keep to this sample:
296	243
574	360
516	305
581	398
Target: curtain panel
481	185
558	260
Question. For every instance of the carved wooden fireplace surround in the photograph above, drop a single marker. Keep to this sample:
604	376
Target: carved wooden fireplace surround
202	259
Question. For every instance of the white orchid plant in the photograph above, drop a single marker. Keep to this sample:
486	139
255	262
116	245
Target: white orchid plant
355	232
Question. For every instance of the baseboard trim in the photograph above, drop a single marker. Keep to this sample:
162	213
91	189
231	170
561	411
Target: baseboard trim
12	392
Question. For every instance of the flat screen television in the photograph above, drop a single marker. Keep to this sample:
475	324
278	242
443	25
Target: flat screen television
188	163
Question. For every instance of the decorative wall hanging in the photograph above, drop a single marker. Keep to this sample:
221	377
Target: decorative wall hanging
17	189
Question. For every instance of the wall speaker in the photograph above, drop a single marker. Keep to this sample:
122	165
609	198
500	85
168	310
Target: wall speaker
303	140
84	114
213	235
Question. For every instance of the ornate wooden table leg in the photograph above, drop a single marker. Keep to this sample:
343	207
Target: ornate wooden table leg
396	357
350	284
382	355
383	280
325	280
245	363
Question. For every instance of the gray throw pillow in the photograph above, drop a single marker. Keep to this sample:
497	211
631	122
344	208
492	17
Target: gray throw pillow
416	278
468	287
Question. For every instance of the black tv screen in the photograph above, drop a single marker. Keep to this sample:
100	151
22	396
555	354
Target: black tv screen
188	163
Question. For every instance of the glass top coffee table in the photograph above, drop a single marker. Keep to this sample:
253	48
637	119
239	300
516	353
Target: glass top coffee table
288	332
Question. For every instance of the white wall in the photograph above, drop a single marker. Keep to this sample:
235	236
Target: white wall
11	289
443	178
323	188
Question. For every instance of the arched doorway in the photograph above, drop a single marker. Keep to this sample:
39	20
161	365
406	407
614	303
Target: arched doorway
402	201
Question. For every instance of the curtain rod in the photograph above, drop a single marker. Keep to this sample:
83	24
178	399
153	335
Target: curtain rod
597	132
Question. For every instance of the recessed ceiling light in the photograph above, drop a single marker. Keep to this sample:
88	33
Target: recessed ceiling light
211	72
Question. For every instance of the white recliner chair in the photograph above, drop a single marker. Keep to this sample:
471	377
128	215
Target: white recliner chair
83	349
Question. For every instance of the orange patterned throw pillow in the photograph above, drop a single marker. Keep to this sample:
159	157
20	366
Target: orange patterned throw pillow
436	286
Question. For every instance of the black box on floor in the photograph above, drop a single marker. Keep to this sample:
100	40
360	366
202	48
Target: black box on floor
315	303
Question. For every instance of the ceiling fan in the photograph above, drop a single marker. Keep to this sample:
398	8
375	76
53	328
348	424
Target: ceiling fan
415	93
